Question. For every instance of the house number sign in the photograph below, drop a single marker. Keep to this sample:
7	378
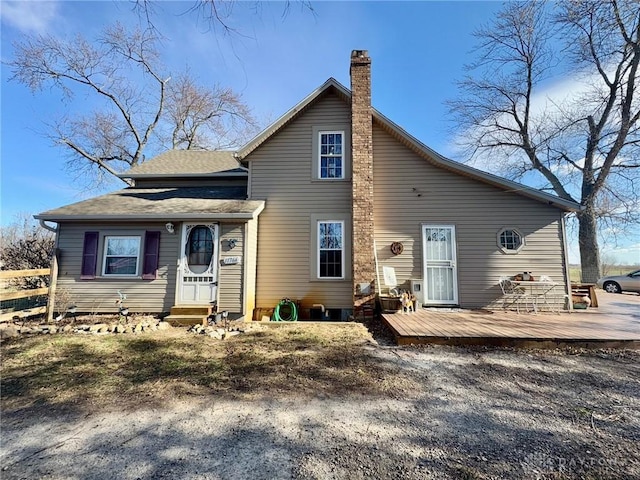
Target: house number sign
230	260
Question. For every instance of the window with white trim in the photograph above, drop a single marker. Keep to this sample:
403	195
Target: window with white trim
510	240
331	249
331	164
121	256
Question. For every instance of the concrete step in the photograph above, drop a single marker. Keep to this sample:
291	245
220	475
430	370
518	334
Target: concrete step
191	310
177	320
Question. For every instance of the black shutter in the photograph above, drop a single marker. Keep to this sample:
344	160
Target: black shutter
89	256
151	253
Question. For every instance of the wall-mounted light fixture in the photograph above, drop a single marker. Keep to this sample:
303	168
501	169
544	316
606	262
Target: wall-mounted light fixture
231	243
170	227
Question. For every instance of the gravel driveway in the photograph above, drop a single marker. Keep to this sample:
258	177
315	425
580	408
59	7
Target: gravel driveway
478	413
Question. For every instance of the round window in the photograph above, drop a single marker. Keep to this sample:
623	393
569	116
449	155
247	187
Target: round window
199	249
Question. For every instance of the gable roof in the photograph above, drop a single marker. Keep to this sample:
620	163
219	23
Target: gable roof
161	204
188	163
411	142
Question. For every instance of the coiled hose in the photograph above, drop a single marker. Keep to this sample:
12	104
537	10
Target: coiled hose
285	311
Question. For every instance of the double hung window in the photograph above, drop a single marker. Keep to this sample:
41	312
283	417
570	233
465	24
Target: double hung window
331	164
331	249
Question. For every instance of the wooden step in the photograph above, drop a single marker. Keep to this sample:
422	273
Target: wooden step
205	310
178	320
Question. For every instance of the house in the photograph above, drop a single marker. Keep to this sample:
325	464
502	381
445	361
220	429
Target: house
311	209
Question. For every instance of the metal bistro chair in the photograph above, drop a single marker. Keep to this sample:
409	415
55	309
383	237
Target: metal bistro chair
513	294
550	296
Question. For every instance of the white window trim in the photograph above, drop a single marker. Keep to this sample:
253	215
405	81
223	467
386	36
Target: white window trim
332	155
105	244
506	250
342	249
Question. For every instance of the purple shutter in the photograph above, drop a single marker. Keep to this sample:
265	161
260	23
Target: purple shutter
151	252
89	256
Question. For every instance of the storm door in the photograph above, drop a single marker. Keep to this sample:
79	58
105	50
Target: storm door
440	273
198	272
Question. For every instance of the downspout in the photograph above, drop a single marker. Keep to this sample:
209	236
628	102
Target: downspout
48	227
567	272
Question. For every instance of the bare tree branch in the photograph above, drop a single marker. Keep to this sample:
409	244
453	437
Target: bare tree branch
580	144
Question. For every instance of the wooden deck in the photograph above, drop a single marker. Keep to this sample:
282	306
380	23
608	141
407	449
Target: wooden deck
616	323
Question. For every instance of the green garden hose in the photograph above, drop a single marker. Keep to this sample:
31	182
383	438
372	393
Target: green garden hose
285	311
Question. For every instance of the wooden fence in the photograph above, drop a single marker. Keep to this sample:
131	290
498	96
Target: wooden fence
26	293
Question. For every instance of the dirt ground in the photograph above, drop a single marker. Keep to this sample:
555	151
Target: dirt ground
472	413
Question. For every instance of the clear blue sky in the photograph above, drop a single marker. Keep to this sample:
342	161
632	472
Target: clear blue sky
418	51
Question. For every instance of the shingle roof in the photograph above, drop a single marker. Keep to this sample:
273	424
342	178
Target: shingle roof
190	163
161	203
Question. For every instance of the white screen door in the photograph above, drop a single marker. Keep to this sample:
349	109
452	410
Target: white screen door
440	274
198	272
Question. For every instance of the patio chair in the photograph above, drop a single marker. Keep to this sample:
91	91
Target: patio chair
513	294
551	297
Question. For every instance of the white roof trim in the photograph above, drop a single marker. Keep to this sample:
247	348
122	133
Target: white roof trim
156	216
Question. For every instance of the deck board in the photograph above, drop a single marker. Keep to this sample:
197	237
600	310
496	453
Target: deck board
605	324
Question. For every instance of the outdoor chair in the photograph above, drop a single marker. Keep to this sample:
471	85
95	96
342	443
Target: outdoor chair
513	294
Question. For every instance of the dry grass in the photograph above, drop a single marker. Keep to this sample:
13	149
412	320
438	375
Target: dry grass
575	271
124	371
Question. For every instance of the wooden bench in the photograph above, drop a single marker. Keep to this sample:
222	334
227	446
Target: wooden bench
588	289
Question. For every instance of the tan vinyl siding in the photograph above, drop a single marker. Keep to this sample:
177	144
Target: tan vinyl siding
230	277
281	173
410	192
100	294
250	265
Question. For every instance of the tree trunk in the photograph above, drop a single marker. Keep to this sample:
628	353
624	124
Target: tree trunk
589	251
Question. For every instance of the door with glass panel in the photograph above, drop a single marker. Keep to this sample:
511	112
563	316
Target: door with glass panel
440	273
198	271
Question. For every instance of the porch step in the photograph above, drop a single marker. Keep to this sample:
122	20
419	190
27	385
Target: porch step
178	320
205	310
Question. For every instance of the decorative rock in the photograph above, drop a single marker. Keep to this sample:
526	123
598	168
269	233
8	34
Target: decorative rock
232	334
164	325
53	329
152	328
25	330
67	328
97	327
9	331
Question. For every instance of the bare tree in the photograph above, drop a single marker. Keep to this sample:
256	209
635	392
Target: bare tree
215	13
114	136
135	100
584	146
24	245
206	118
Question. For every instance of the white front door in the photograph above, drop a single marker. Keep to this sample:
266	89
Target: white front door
440	273
198	271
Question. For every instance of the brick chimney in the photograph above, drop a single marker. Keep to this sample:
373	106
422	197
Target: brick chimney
362	173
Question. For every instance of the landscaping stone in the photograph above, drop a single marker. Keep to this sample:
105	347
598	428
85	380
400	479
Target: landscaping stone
164	325
9	331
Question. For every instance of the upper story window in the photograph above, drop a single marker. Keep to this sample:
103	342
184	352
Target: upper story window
121	256
331	164
510	240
